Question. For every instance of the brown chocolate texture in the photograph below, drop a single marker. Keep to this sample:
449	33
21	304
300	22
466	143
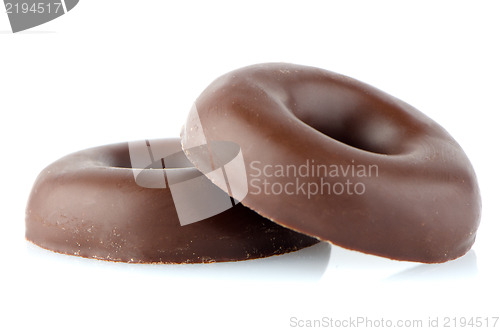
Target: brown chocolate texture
89	204
420	202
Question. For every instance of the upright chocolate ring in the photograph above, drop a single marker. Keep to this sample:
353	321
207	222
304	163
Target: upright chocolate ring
381	178
94	204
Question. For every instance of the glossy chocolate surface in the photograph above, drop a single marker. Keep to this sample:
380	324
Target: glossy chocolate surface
89	204
420	202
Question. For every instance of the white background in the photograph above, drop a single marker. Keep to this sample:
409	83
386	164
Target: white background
119	70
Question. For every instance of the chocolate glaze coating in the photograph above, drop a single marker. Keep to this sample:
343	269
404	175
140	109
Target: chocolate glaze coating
423	202
88	204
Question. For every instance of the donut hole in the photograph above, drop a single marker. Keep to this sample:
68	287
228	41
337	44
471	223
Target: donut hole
371	135
120	158
177	161
347	117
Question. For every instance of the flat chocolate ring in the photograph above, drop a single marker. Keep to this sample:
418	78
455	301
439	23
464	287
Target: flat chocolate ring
89	204
378	176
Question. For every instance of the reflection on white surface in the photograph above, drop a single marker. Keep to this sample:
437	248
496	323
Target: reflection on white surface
347	265
461	268
308	264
